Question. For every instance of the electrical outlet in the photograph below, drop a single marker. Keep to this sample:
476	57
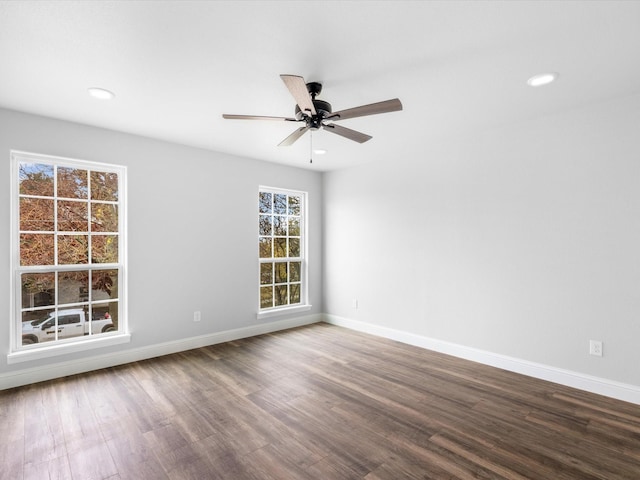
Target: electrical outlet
595	348
354	303
197	316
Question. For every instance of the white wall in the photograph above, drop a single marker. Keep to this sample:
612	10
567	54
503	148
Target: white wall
522	241
192	230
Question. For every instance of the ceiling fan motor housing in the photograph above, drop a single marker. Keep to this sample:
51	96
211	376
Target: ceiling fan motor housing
323	110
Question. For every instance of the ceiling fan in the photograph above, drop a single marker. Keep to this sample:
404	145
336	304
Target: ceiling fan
315	113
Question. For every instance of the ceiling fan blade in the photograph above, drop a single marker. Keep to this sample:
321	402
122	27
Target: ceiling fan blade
347	133
364	110
256	117
293	137
298	88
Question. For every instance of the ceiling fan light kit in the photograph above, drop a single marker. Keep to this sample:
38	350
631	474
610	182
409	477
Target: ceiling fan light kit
315	112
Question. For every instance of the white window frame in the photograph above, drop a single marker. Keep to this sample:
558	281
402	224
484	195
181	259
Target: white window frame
21	353
304	304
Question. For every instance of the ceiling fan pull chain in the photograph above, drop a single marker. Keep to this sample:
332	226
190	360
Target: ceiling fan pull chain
311	147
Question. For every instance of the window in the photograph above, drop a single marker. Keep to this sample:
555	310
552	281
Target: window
281	247
68	251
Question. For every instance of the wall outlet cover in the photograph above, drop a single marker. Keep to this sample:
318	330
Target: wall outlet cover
595	348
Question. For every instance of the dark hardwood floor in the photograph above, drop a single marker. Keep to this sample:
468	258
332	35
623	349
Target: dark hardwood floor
318	402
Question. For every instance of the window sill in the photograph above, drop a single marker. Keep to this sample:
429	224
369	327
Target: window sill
283	311
62	349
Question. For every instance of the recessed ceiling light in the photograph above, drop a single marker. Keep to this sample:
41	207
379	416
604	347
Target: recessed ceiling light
101	93
320	151
542	79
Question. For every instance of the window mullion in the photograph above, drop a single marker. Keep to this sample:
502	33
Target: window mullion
57	303
55	216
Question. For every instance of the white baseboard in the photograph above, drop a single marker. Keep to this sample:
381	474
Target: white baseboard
601	386
63	369
610	388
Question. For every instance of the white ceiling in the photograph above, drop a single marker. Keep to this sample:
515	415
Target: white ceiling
176	66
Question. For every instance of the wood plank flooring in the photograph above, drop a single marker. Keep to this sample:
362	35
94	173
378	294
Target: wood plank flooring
317	402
